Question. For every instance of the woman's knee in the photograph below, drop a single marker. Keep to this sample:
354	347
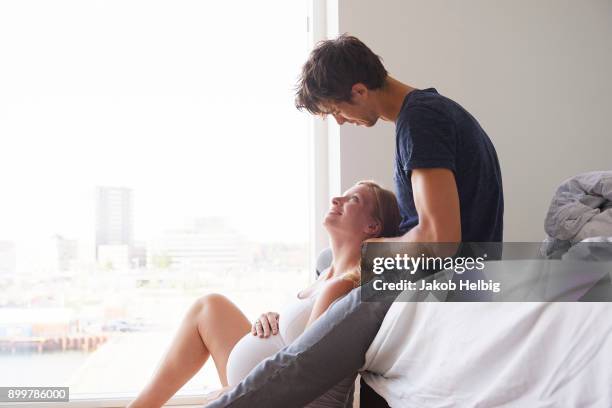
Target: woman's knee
209	302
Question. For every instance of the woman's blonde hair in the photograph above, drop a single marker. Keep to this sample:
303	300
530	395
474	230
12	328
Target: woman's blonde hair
386	212
386	209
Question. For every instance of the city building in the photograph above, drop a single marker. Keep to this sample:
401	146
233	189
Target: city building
65	252
207	245
114	257
114	218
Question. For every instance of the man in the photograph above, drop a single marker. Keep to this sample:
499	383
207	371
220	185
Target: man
447	175
448	184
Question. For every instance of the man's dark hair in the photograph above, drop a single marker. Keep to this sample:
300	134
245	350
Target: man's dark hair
332	69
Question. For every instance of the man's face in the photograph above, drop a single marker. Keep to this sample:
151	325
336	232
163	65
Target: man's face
345	112
359	111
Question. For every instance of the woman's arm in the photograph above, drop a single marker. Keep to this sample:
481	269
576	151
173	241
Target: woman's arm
332	291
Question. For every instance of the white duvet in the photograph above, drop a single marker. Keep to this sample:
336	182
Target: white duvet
493	354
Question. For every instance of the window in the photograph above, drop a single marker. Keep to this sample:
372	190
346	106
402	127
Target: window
151	154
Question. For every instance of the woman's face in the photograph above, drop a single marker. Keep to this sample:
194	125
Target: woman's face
352	213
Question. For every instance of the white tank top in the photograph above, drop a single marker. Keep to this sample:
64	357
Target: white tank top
294	316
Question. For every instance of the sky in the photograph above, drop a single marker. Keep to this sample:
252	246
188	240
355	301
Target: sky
188	103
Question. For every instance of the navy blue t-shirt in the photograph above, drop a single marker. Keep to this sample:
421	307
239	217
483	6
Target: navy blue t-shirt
433	131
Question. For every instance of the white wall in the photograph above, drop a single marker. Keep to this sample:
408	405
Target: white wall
536	74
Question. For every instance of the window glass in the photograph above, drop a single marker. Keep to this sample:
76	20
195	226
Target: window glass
151	153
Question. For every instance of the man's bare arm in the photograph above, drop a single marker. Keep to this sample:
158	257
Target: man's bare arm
437	203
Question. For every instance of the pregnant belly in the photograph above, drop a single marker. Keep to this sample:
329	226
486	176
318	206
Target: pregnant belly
248	352
251	350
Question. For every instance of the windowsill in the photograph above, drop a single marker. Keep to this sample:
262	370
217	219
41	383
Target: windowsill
115	401
185	400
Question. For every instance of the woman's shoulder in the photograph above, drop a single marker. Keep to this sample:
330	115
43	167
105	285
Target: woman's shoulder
336	287
344	282
350	280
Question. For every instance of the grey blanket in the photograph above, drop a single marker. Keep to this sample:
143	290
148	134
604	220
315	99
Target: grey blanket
581	208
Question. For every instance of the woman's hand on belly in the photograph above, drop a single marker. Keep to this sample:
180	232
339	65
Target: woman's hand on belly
265	325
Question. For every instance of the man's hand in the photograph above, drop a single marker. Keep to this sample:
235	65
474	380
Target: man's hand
266	324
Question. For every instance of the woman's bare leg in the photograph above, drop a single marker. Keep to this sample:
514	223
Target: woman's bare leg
212	326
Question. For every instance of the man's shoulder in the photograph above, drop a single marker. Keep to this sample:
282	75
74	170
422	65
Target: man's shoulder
424	110
426	97
424	104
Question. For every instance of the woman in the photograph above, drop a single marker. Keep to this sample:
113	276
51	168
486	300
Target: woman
215	327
